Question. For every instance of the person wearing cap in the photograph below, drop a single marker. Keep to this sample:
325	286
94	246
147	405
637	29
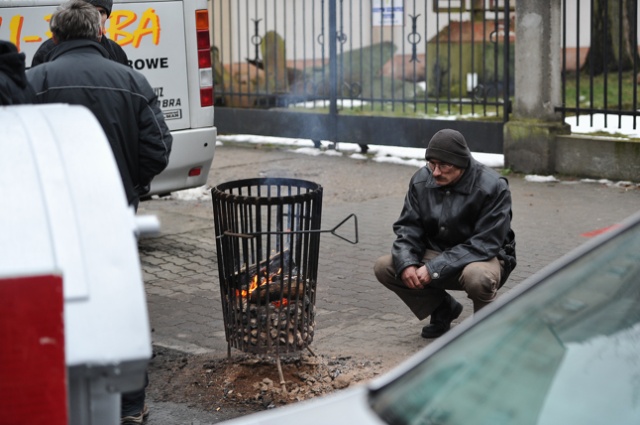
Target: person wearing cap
453	234
115	52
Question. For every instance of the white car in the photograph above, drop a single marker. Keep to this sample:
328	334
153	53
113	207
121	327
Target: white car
561	348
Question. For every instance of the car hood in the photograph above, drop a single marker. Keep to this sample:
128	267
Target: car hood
348	406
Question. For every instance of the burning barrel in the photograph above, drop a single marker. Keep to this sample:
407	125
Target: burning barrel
268	241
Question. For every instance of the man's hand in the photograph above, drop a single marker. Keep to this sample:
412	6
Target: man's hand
415	277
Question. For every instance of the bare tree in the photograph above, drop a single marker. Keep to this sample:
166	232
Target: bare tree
614	36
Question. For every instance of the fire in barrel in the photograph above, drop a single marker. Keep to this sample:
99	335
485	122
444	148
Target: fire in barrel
267	241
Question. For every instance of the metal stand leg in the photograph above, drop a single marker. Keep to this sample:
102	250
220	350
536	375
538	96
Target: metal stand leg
282	383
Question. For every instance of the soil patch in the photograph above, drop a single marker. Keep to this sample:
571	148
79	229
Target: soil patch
246	383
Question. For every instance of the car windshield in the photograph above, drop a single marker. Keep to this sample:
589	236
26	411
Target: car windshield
567	351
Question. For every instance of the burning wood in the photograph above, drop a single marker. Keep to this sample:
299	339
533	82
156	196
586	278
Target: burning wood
279	292
269	282
272	306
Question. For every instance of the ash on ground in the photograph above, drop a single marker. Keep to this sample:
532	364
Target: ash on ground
248	383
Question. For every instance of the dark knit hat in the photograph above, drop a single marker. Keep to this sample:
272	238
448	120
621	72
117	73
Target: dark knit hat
449	146
106	4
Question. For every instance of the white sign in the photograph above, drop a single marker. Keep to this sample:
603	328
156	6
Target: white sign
388	12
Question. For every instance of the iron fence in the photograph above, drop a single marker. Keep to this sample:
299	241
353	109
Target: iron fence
600	62
364	71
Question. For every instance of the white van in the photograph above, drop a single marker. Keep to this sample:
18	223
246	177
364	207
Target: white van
166	40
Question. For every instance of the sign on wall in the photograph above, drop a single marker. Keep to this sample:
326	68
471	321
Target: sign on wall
388	12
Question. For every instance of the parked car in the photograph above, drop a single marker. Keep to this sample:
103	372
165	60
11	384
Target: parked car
563	347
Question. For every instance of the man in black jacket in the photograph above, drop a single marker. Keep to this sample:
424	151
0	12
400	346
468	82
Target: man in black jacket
121	98
454	233
14	86
114	50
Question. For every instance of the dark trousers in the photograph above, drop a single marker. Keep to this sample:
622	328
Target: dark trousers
480	280
132	403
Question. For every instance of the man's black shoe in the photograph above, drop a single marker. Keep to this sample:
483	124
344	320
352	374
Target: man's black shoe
441	318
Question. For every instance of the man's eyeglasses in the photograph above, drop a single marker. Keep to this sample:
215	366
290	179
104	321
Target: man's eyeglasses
443	166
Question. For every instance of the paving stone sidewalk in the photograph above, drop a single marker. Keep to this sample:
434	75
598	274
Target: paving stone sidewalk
355	316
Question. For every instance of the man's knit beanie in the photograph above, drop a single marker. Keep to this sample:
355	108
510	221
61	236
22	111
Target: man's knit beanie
106	4
449	146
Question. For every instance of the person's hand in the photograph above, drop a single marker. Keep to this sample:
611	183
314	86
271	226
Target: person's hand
415	277
423	275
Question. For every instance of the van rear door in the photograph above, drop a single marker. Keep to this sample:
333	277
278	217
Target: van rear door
168	41
158	50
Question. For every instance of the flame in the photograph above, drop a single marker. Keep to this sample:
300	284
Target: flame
253	285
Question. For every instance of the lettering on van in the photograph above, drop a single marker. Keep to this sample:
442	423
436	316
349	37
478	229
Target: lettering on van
170	103
124	27
173	114
16	23
149	63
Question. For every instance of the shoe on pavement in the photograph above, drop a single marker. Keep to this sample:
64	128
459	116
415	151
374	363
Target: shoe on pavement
441	318
140	418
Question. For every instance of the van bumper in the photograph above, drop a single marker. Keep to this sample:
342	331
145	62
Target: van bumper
191	149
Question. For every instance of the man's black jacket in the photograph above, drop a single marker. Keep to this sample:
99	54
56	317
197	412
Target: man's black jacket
467	222
80	73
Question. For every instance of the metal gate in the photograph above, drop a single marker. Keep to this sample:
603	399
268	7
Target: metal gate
385	72
600	64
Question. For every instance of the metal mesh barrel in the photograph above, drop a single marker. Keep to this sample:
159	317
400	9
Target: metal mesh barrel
267	240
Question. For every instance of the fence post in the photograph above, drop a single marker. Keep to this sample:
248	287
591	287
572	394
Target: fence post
529	137
333	70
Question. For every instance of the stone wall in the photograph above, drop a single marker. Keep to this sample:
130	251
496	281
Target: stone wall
597	157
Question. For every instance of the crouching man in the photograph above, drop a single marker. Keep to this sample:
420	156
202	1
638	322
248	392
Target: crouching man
454	233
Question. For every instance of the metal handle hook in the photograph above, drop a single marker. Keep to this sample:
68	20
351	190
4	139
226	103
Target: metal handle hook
355	229
332	231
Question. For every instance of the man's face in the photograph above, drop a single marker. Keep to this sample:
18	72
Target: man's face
443	173
103	17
